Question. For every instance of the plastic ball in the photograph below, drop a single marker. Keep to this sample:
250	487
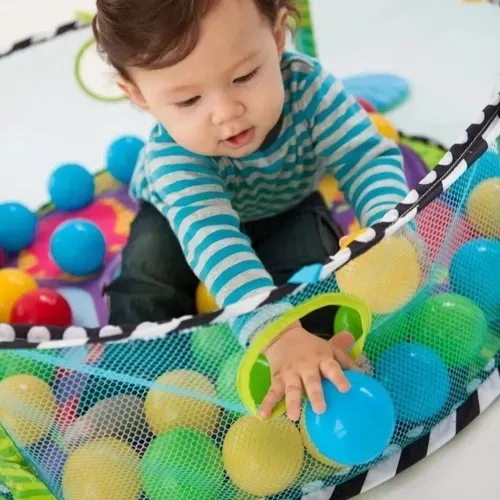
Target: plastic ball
483	208
205	303
78	247
473	274
122	156
416	378
212	345
103	468
343	434
183	464
168	408
17	226
348	319
367	106
386	277
451	325
273	448
384	126
27	407
42	306
71	187
14	283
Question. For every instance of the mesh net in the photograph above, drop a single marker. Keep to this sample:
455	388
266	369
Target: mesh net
162	418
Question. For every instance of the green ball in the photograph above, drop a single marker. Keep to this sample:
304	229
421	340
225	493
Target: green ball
260	380
212	345
16	363
348	319
453	326
183	464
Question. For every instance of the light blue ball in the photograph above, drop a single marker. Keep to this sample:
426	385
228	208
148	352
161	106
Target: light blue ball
416	378
78	247
357	426
474	274
71	187
122	157
17	226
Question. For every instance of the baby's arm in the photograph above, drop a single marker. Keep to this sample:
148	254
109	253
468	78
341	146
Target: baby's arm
189	192
367	165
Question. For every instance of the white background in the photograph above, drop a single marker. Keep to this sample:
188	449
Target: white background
448	50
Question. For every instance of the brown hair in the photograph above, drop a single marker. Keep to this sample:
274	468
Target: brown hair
153	34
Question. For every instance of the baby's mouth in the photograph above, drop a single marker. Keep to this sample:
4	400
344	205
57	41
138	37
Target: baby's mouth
241	139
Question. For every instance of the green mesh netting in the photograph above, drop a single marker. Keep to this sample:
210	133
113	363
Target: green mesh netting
161	419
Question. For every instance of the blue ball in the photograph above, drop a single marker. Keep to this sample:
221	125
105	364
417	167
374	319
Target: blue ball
417	380
122	157
78	247
17	226
71	187
474	274
357	426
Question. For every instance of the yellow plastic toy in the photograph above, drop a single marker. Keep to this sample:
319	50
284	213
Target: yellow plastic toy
386	277
27	407
14	283
263	457
483	208
167	408
105	468
205	303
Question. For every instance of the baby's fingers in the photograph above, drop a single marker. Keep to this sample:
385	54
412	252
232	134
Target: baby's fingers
273	397
333	372
293	395
345	361
314	390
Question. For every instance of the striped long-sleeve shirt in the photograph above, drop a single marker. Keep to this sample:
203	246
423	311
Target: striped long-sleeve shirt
323	130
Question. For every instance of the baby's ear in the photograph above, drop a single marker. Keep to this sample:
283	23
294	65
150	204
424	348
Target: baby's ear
133	92
280	29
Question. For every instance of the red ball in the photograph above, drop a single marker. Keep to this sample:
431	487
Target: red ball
42	306
368	106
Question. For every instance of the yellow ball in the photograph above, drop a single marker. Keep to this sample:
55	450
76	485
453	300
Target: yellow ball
205	303
328	188
27	407
103	468
166	409
14	283
386	277
483	208
384	126
263	457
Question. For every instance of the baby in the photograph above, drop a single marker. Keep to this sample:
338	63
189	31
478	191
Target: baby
228	181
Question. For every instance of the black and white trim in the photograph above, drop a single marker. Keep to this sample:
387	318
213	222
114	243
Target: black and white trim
39	38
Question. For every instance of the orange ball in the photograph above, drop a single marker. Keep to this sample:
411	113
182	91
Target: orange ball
14	283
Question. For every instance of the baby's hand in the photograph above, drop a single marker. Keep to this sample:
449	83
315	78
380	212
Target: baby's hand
298	361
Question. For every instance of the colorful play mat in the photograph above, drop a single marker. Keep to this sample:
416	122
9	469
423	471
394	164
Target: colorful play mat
84	410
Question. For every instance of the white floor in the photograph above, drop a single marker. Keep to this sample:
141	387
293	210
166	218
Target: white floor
455	58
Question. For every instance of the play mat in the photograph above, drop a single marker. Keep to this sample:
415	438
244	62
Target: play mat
160	411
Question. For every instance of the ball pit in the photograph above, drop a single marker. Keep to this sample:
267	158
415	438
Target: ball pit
15	215
71	187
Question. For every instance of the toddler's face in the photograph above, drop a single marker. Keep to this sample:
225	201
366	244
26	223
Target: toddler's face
225	97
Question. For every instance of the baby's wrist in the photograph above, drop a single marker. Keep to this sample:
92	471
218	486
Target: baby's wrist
294	326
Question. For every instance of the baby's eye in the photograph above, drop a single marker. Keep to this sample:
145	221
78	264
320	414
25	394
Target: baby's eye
189	102
247	77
